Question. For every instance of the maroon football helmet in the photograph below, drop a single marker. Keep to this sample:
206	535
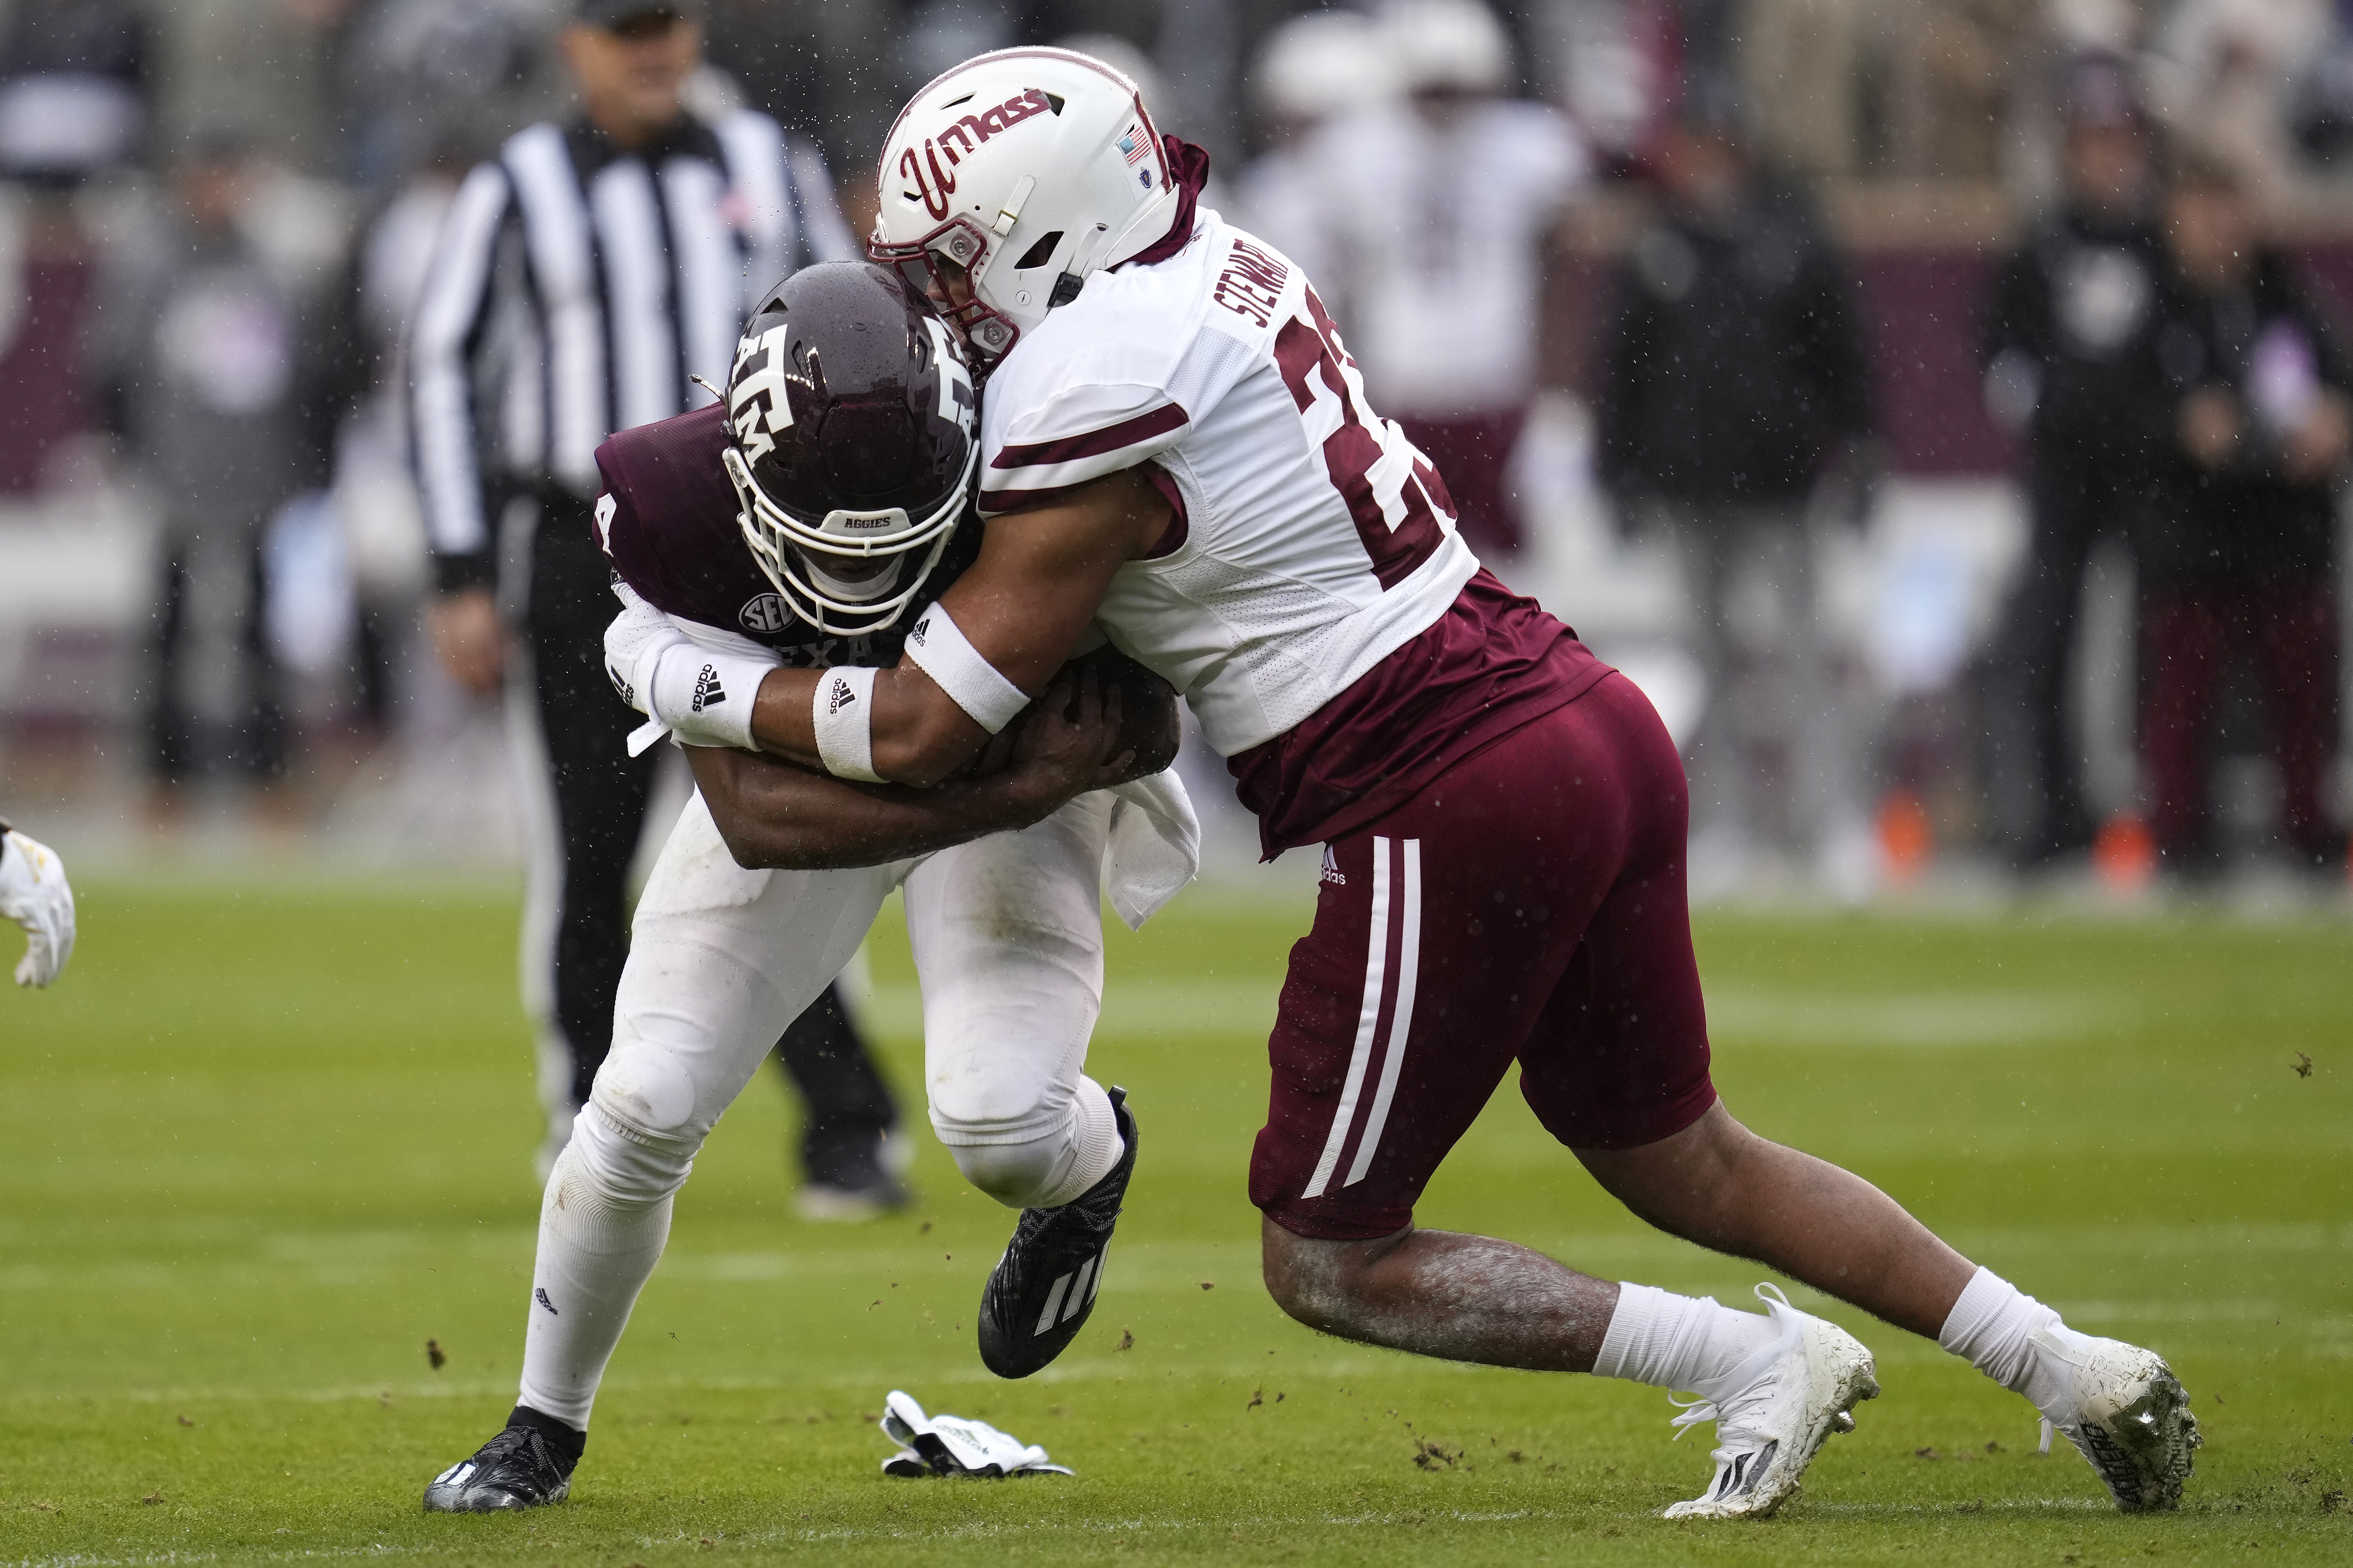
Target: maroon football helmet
852	444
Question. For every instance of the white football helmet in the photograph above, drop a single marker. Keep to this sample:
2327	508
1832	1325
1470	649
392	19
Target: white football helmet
1448	46
1011	178
1321	63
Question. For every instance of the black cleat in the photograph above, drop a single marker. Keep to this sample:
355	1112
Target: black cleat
518	1468
1043	1289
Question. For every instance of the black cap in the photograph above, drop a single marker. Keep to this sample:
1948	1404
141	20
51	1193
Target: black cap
611	14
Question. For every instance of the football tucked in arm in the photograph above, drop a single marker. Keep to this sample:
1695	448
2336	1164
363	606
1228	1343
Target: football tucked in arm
1149	723
1148	717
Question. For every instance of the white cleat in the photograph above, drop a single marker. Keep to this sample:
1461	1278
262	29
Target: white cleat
1774	1410
2128	1414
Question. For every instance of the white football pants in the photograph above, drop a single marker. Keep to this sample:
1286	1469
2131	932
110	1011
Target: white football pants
1008	939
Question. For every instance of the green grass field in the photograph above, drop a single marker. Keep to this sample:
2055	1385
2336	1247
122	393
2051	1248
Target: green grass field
264	1143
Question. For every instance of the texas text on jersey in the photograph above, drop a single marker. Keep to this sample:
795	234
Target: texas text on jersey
666	521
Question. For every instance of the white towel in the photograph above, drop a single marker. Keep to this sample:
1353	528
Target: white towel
1155	845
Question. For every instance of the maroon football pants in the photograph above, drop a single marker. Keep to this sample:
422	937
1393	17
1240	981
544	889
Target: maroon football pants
1528	906
2190	634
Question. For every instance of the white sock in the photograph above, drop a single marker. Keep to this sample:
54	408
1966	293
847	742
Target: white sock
1677	1343
597	1249
1993	1326
1095	1145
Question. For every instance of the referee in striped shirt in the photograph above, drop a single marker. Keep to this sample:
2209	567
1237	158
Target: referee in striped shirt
581	277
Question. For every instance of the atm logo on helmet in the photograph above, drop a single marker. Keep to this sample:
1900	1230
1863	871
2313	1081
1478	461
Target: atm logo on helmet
958	140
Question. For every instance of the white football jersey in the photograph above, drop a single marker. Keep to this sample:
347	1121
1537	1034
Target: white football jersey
1428	240
1315	539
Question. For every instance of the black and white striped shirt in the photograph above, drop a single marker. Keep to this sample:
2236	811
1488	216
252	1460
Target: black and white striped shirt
575	289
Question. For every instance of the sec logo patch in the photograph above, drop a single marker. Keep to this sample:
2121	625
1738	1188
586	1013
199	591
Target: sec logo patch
764	613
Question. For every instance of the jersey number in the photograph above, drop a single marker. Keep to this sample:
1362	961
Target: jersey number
1397	518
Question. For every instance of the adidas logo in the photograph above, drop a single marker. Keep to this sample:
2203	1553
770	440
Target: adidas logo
1089	1280
923	630
843	696
1331	872
1740	1478
539	1294
708	692
628	693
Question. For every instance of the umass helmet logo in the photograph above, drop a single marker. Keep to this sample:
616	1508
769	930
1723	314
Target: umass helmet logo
764	613
962	132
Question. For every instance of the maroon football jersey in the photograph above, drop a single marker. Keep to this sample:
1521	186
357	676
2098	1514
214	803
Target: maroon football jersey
1493	662
671	533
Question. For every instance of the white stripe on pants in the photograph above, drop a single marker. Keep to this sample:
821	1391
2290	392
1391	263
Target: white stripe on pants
1409	879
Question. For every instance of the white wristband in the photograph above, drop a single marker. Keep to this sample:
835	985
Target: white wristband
843	717
937	647
705	697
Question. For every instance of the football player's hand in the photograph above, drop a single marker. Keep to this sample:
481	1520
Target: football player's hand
1153	729
2211	426
467	637
1072	739
2314	449
33	893
633	644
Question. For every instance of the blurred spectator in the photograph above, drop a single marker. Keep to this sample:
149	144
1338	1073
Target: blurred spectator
2321	114
200	364
1609	63
266	66
73	86
1922	88
580	278
1430	222
1734	380
2223	75
1313	68
418	76
73	81
1803	64
1950	69
375	499
2242	551
2069	350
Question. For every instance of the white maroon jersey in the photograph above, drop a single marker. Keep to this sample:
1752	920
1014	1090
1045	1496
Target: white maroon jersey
1314	539
1429	239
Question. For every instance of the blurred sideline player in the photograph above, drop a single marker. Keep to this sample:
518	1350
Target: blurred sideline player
1311	70
1733	423
1176	450
1429	218
2074	360
801	526
34	893
581	276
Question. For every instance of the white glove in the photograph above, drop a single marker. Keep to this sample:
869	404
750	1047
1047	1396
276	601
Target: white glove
705	697
953	1445
633	643
33	893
